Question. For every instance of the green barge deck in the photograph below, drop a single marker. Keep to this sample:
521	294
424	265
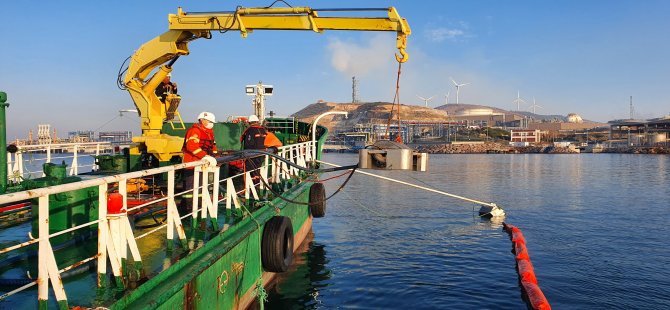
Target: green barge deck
214	256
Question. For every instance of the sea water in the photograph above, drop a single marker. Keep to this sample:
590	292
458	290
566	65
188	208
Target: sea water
596	227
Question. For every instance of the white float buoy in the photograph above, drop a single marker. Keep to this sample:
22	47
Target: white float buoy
491	210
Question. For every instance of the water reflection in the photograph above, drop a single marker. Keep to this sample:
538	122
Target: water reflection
299	287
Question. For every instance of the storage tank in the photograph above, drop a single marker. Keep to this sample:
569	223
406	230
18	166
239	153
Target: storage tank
575	118
474	112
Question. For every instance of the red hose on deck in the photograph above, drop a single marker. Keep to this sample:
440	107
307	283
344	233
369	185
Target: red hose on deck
15	207
525	269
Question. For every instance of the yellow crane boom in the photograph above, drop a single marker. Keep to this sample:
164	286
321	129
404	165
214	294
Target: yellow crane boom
184	27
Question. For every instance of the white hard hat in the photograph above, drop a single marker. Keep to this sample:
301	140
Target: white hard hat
253	118
208	116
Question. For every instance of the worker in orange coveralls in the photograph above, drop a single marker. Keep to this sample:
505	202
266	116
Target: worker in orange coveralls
257	137
198	143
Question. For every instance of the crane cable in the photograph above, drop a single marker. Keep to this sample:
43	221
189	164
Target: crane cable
396	98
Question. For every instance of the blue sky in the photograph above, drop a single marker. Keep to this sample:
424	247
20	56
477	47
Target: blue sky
59	59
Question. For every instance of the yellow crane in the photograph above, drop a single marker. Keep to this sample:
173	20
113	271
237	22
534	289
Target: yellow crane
184	27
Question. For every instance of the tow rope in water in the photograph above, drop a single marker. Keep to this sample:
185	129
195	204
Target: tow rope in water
532	292
487	204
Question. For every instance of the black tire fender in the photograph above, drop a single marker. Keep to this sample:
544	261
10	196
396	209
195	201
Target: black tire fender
317	200
277	244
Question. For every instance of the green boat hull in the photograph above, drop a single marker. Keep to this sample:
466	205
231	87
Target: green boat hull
224	272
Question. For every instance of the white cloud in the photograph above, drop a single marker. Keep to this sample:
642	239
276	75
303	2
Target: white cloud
360	59
441	34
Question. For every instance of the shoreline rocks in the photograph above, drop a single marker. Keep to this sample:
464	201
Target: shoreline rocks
500	148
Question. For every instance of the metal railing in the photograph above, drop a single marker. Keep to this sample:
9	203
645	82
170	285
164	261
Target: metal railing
115	234
284	125
26	162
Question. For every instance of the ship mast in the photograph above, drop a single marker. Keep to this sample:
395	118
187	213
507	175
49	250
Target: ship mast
259	91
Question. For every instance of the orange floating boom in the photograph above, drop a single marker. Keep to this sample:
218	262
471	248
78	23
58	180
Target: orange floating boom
524	267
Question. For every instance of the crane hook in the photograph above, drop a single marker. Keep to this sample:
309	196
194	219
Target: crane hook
403	57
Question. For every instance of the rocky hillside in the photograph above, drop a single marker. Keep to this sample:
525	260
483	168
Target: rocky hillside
378	113
363	113
453	108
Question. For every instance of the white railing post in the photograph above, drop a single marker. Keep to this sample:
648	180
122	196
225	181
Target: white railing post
231	196
294	159
263	172
275	171
47	267
215	195
301	156
122	233
48	160
173	218
196	194
48	153
9	168
117	229
19	165
283	166
97	153
103	232
74	169
42	271
249	186
308	151
210	202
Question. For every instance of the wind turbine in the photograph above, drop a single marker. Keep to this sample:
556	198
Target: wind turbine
446	97
518	101
458	87
534	105
425	99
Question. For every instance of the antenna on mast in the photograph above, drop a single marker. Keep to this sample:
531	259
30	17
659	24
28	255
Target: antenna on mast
354	90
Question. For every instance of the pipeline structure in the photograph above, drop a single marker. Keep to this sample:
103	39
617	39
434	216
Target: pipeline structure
531	290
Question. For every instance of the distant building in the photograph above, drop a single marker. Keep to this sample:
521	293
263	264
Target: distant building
488	118
640	132
115	136
563	126
525	135
43	134
81	136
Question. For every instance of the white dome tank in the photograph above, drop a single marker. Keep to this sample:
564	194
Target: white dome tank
575	118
